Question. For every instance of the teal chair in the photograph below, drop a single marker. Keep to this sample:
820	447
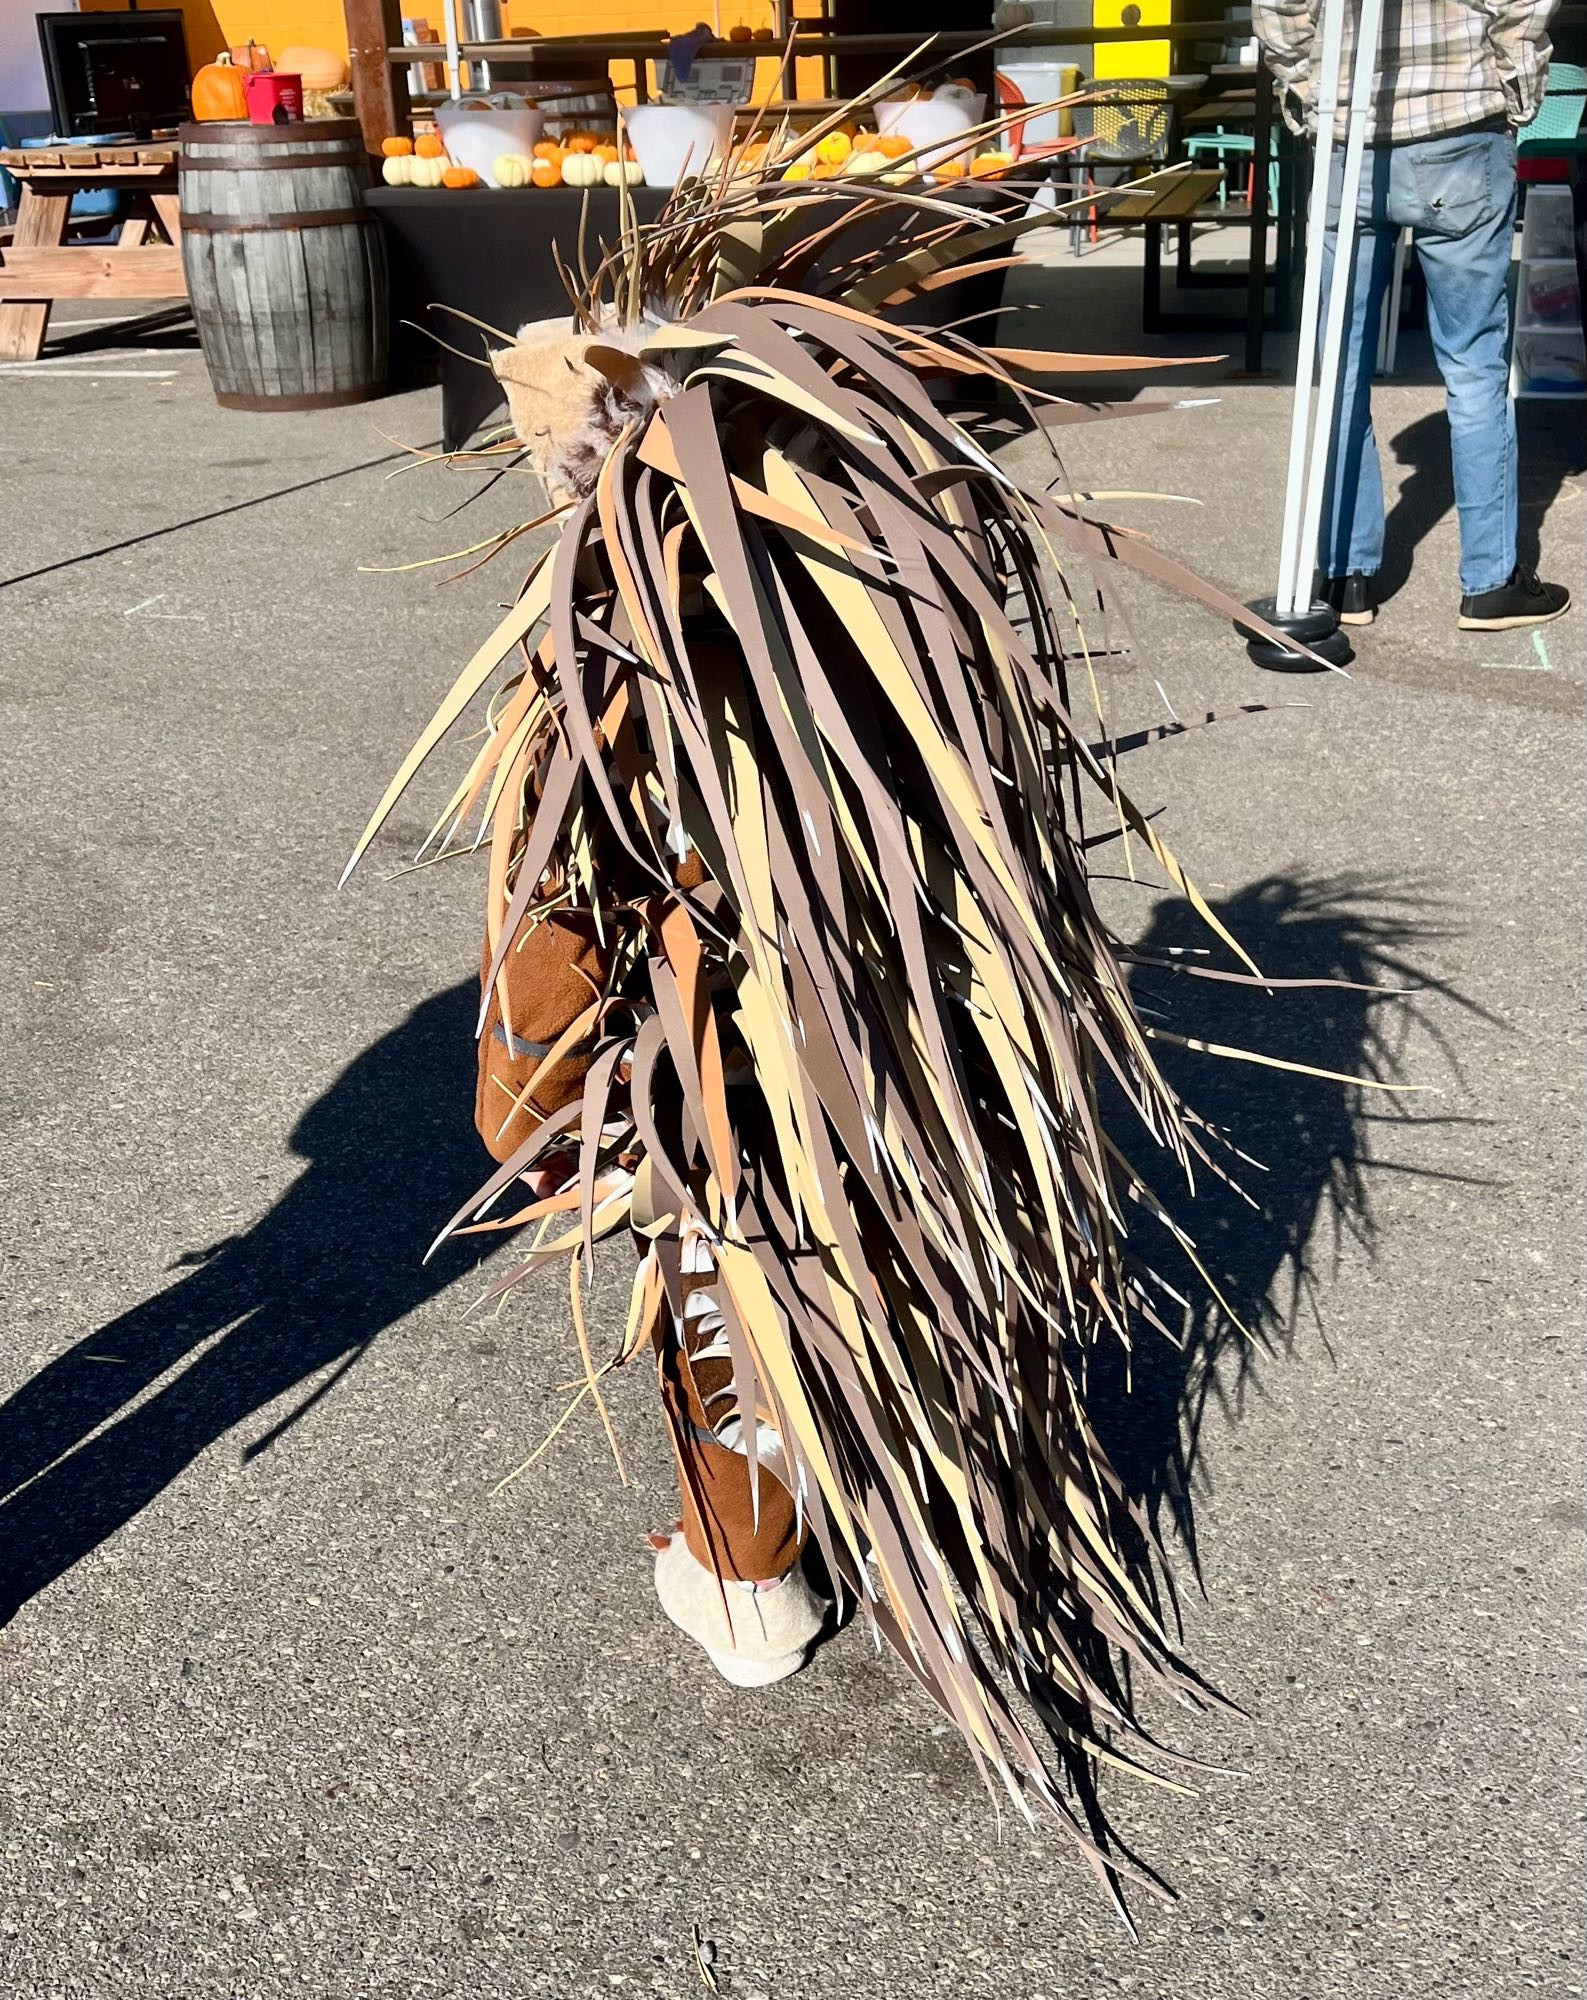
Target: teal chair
1557	126
1226	146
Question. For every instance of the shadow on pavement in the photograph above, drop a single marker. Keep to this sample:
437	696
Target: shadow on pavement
1313	1138
391	1149
1549	455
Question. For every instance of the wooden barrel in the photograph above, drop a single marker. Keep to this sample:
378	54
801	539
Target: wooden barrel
285	266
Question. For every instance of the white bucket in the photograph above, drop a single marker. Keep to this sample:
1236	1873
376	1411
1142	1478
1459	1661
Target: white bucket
671	140
478	137
925	121
1038	83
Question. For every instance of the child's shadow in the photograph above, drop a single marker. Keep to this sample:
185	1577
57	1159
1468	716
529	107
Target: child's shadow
1313	1138
391	1150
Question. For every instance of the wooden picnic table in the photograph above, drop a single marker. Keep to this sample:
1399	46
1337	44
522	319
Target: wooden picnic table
39	265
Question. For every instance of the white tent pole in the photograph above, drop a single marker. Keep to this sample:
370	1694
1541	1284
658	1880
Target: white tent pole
1390	356
1333	14
1327	414
454	62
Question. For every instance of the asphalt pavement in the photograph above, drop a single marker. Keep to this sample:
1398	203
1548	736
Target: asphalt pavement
292	1704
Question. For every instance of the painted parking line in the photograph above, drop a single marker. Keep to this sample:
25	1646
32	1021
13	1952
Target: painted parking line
41	372
1539	664
110	351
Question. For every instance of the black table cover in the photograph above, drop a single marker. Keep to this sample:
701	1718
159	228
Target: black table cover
487	252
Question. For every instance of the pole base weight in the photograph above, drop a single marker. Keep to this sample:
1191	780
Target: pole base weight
1317	629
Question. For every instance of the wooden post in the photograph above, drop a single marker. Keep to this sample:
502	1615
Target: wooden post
380	92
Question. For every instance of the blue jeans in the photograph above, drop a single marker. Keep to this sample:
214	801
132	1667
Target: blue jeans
1457	195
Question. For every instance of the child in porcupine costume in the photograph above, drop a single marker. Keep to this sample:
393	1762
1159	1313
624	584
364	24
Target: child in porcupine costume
791	964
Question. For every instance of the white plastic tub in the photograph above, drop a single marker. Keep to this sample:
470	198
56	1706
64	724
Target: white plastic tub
671	140
1038	82
478	137
927	121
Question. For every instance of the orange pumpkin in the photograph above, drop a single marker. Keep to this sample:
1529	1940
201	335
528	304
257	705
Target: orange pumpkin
579	142
891	146
460	177
320	69
547	173
949	170
546	149
606	154
430	146
396	149
219	92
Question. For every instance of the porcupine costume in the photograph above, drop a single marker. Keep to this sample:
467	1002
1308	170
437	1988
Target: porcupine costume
791	963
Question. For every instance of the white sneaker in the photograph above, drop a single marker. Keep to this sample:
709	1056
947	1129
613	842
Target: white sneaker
753	1634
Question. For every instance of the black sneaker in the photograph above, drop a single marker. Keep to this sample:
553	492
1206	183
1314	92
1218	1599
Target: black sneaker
1350	597
1524	600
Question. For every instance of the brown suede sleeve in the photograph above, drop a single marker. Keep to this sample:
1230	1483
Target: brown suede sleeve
552	974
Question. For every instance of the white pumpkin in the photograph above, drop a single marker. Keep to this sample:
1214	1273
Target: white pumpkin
624	173
423	173
582	170
397	171
513	170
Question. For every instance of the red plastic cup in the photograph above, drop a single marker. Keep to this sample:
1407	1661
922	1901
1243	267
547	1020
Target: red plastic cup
274	98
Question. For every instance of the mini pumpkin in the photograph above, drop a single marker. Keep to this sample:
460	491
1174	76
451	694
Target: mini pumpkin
580	142
984	165
426	170
740	32
582	170
430	146
624	173
891	145
396	170
949	170
547	173
834	149
606	154
396	149
460	177
513	170
546	149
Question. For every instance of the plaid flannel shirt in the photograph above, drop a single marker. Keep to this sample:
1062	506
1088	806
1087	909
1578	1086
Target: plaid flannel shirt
1445	66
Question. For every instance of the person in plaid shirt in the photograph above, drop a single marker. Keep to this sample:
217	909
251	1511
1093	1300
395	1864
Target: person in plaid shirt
1455	79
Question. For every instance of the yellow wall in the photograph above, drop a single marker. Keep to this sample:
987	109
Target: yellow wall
1131	59
213	25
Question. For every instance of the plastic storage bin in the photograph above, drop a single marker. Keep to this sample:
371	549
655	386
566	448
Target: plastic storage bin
672	140
478	135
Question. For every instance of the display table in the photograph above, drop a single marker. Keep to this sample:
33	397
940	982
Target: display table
487	252
40	266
